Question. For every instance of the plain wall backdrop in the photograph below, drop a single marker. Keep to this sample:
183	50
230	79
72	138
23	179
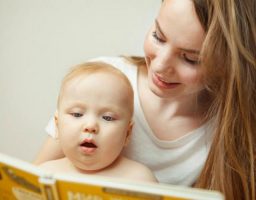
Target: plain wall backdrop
40	40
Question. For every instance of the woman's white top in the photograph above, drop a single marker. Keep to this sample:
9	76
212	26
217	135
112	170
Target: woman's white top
178	161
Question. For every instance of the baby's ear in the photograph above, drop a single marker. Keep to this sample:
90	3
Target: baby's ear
129	133
56	124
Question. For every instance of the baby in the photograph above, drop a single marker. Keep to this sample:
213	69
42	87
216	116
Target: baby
94	123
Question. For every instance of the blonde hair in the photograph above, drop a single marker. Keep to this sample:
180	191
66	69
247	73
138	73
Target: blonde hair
90	68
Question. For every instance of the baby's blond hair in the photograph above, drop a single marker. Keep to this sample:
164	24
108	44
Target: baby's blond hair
89	68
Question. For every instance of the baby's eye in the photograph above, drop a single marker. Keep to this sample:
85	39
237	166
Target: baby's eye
108	118
77	115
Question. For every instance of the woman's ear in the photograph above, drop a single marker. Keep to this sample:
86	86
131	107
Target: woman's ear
56	124
129	132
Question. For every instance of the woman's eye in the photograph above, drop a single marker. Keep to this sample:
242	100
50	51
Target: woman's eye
189	60
108	118
76	114
156	37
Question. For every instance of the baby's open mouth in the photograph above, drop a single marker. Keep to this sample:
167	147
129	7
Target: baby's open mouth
88	145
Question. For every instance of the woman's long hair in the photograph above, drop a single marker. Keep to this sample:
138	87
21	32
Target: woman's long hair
229	60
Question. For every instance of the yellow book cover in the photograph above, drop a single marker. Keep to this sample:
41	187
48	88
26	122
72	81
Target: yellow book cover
20	180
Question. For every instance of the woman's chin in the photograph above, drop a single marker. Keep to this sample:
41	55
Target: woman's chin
161	92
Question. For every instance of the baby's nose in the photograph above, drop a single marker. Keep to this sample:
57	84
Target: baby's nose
90	129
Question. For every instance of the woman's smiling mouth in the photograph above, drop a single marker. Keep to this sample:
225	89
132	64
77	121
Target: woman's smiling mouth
162	84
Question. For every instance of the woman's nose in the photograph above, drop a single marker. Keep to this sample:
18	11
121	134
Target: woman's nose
165	61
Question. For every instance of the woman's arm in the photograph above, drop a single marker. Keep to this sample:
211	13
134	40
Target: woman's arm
50	150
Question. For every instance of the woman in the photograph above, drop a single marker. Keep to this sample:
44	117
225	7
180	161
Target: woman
195	113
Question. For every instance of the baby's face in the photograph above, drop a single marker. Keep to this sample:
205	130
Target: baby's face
93	119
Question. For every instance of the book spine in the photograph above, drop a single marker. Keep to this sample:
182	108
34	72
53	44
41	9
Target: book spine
48	188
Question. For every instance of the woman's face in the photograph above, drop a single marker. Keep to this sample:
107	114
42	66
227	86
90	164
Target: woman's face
172	49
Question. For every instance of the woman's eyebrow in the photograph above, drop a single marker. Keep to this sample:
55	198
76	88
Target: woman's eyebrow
193	51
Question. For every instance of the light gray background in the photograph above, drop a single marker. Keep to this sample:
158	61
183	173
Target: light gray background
40	40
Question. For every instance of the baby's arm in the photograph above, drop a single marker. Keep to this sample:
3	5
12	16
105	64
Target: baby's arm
54	166
50	150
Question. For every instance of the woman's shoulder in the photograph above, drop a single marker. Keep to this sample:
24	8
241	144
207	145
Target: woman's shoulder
122	63
106	58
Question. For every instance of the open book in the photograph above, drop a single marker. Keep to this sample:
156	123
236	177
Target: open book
20	180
